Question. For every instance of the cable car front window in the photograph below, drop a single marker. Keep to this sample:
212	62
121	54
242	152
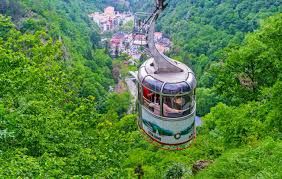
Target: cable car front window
148	94
178	106
176	88
152	84
150	97
151	101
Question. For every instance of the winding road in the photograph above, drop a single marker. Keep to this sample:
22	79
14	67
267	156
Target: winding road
132	88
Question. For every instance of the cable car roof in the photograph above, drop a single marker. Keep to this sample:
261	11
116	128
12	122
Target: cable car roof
167	83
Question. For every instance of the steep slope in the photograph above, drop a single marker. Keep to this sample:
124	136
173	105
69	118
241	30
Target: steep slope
53	80
57	120
204	27
200	29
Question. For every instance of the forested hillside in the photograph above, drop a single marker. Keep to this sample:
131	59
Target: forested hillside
208	26
205	29
57	118
54	85
201	30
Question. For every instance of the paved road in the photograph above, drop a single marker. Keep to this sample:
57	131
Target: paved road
131	87
133	91
198	121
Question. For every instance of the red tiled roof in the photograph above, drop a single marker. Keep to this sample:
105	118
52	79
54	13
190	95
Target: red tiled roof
115	40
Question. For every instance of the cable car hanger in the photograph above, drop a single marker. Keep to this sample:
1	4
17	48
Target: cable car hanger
161	63
167	119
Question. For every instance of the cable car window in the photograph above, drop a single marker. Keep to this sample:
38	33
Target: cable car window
178	106
153	84
151	101
155	107
176	88
148	94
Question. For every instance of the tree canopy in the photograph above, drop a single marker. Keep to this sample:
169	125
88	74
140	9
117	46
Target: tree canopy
59	120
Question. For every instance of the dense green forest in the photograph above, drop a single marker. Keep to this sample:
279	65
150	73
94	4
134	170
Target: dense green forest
58	118
202	30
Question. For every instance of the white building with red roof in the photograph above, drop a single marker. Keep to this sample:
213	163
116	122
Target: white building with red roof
110	19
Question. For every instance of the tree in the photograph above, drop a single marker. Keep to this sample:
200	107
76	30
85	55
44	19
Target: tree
251	67
139	171
176	171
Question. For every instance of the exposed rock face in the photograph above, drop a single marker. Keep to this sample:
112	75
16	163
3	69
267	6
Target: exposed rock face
200	165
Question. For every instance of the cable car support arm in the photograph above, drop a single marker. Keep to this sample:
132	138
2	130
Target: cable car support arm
162	63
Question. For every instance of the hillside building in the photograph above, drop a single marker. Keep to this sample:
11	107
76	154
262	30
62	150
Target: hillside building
110	19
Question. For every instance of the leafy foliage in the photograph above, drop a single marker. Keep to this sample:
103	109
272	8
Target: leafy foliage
262	161
58	120
253	66
204	28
